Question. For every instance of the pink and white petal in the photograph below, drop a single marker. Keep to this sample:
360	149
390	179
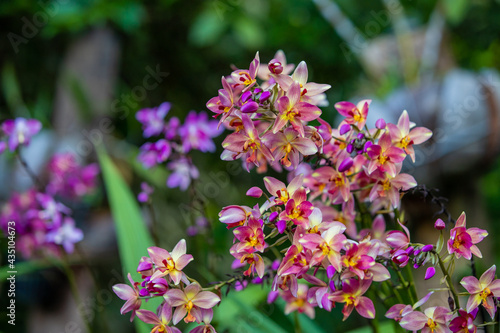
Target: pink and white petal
414	321
461	221
404	122
488	276
314	89
422	300
176	276
495	288
474	250
179	313
300	74
473	302
294	93
148	317
206	300
477	234
130	305
182	261
420	134
490	306
175	297
307	112
471	284
279	123
124	291
365	307
305	146
179	249
274	185
158	254
166	313
285	81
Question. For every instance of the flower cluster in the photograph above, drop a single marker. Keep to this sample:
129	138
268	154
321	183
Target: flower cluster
162	276
44	224
18	132
176	141
270	119
326	228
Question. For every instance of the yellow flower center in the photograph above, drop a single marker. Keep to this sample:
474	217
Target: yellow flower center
405	142
325	248
431	324
386	185
357	116
485	293
382	159
349	299
169	264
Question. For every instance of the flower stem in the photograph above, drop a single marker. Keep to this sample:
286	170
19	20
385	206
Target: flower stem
450	283
30	172
298	328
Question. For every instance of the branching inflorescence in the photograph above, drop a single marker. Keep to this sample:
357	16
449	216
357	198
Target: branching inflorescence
334	235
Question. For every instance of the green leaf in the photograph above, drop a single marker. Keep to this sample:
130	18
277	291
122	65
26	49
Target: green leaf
440	243
132	234
239	313
385	326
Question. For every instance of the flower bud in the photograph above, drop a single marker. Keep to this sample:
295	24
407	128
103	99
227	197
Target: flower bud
264	96
273	216
330	271
368	144
429	273
344	129
281	225
350	148
246	96
380	124
439	225
360	136
346	164
249	107
427	248
275	66
254	192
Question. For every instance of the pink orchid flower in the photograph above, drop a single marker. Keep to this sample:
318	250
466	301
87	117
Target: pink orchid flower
398	311
464	322
352	295
206	315
289	148
234	215
328	245
463	241
170	264
384	156
245	78
279	57
130	295
482	291
255	261
391	186
310	92
223	104
292	110
357	259
282	192
299	302
397	239
336	183
432	320
160	321
247	143
189	302
251	238
355	114
403	138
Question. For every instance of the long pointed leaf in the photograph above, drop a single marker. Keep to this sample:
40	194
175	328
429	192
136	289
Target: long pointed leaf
133	236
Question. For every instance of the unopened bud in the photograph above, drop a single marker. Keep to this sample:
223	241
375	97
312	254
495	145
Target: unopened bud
275	66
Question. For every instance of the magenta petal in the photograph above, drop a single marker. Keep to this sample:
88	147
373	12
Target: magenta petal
254	192
414	321
429	273
488	276
281	225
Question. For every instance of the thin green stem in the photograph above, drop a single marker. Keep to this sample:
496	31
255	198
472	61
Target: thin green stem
74	291
404	282
298	328
448	279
